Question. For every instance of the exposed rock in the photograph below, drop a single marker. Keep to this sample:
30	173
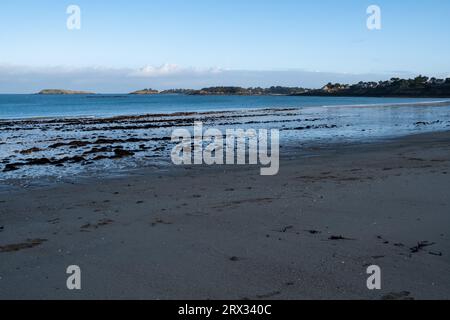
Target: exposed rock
62	92
10	167
145	92
30	151
120	153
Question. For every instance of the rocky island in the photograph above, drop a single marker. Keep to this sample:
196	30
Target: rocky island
145	92
62	92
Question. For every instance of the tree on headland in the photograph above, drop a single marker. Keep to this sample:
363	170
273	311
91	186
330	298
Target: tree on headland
420	86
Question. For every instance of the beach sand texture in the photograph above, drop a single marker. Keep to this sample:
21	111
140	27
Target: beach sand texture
225	232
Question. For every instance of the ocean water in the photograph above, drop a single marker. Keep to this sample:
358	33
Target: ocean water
35	106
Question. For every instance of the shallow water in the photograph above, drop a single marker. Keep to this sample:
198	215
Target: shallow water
94	141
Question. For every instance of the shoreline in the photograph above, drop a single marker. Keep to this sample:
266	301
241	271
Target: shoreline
67	147
287	153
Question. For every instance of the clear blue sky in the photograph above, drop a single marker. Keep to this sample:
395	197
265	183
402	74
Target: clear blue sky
256	35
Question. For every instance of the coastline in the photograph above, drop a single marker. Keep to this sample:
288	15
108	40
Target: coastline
227	233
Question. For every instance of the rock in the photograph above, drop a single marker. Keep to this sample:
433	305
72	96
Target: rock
120	153
62	92
145	92
30	151
70	144
10	167
39	162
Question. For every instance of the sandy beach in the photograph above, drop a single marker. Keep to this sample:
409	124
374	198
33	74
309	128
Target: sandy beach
224	158
225	232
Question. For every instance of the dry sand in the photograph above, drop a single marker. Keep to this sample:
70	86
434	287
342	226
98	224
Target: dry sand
228	233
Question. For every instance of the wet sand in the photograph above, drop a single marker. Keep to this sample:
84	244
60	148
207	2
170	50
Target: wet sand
225	232
66	147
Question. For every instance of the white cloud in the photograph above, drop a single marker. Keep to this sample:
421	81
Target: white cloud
152	71
25	79
169	69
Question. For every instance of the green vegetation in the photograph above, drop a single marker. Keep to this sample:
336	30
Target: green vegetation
248	91
177	91
145	91
418	87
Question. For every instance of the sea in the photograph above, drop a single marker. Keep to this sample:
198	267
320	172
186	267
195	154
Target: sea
48	106
64	137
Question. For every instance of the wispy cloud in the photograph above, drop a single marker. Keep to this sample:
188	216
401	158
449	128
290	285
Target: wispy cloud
25	79
169	69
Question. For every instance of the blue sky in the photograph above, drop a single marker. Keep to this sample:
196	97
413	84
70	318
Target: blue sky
248	42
